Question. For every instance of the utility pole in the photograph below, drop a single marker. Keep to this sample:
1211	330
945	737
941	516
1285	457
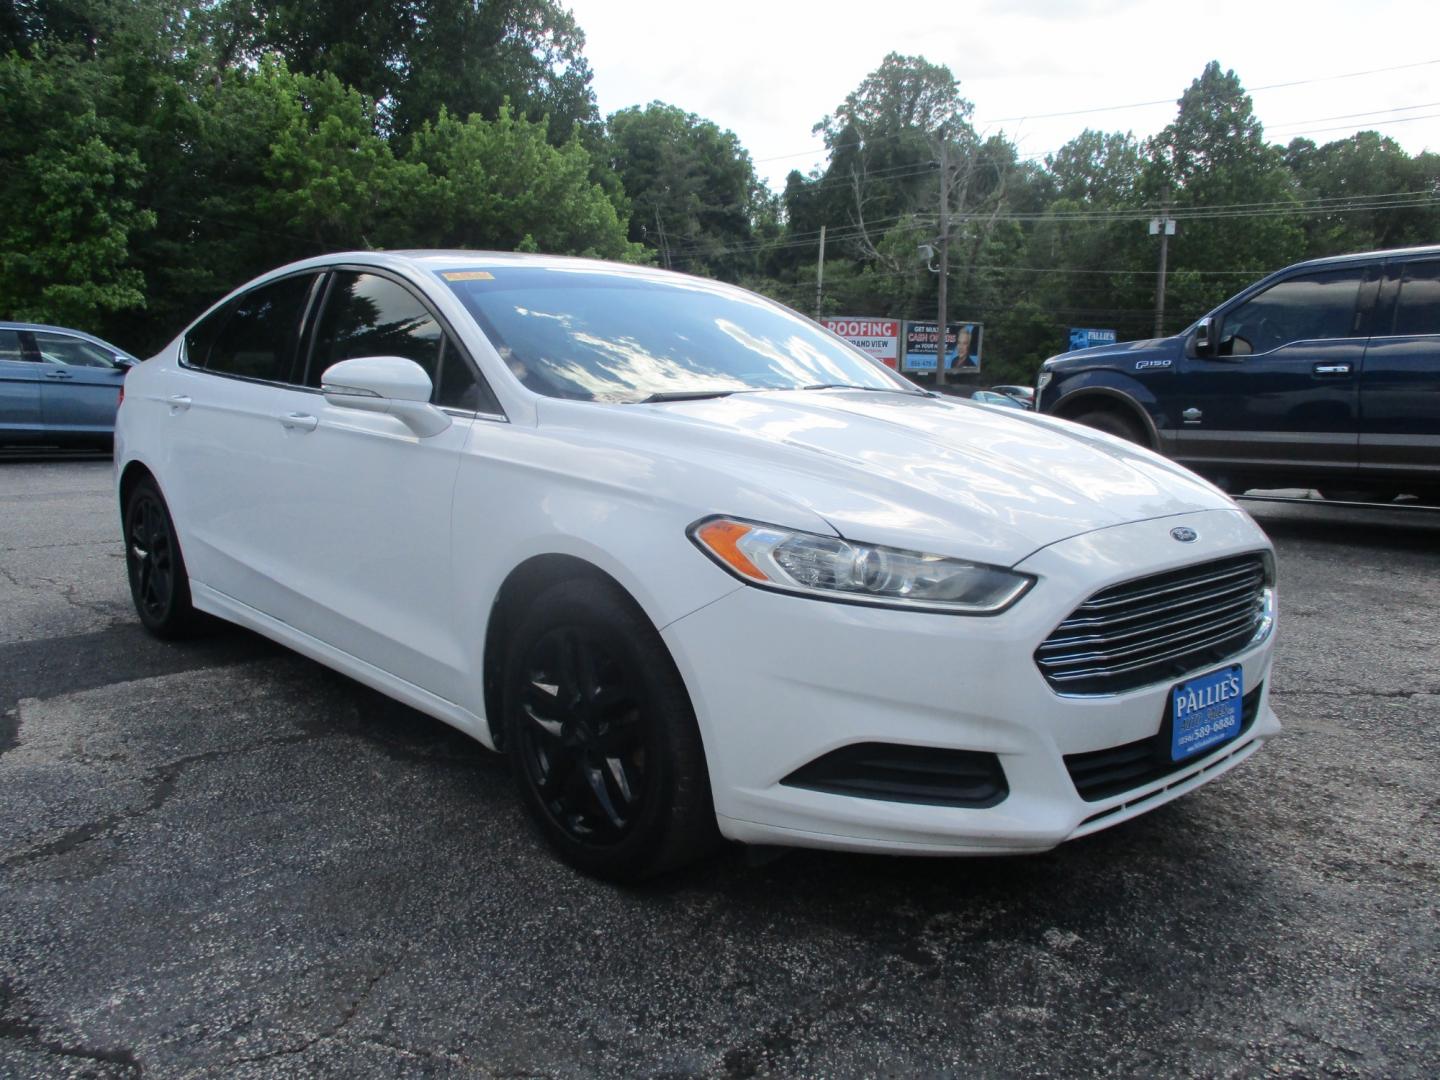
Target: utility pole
660	230
820	274
943	247
1165	227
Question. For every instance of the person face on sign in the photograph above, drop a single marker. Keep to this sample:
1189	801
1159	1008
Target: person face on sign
962	346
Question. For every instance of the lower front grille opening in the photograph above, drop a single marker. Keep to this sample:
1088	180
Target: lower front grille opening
1100	774
911	774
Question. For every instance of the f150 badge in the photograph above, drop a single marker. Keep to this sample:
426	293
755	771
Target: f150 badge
1141	365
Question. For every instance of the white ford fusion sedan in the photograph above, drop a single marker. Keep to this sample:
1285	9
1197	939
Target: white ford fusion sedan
697	566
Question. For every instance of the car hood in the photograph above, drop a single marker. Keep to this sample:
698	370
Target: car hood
909	471
1145	349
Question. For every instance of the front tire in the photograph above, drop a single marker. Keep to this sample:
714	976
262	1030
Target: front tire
1113	423
601	736
159	584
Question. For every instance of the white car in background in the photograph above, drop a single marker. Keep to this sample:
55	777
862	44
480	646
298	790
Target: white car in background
698	566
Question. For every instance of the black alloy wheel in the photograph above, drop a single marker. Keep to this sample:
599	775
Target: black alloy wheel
158	581
601	735
582	739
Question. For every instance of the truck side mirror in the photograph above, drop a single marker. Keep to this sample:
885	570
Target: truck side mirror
1203	340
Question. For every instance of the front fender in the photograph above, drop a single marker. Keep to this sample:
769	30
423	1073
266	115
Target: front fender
1078	393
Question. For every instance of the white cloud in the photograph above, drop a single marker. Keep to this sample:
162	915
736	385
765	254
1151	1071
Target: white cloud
769	70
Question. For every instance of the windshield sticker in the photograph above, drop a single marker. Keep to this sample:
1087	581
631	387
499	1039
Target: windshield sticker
1141	365
468	275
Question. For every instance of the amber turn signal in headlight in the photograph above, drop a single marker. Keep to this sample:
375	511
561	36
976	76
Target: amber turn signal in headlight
833	568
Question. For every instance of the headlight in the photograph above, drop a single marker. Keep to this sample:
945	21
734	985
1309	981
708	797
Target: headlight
1043	380
830	568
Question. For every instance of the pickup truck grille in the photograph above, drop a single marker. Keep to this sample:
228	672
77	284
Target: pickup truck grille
1156	628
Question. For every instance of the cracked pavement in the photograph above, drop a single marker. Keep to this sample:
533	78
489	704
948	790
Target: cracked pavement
218	859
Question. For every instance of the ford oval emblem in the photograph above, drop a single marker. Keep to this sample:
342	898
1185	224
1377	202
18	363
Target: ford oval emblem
1184	535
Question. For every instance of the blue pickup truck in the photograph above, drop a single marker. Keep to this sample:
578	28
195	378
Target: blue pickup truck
1323	375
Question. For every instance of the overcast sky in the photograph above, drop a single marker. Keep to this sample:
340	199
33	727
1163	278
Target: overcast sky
769	69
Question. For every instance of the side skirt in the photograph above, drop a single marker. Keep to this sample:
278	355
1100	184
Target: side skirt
232	610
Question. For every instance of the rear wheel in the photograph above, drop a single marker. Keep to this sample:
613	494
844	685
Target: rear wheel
158	581
1113	423
602	738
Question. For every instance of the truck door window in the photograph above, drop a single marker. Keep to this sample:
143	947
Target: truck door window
1302	308
1418	309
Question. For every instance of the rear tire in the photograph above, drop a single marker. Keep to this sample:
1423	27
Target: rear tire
159	584
602	738
1113	423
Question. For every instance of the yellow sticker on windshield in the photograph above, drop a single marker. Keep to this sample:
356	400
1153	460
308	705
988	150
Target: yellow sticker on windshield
468	275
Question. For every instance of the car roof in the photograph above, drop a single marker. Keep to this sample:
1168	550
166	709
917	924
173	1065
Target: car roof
436	260
1367	256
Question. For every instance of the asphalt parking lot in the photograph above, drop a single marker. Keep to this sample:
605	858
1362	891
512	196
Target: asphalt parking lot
219	859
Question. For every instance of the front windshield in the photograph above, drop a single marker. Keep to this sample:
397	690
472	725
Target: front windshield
599	335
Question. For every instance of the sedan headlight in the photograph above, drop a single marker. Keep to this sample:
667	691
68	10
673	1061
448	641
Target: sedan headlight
831	568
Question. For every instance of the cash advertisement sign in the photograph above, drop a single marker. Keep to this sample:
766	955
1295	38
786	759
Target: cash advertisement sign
878	337
962	346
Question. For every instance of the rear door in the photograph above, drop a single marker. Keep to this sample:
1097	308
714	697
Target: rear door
1400	389
79	385
228	429
368	504
1284	393
19	391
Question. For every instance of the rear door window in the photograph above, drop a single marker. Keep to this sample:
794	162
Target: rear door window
10	350
1417	310
256	334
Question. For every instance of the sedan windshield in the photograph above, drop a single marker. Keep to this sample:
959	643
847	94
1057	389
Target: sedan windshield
615	336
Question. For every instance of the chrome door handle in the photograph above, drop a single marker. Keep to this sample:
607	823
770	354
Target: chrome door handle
58	375
178	403
299	421
1332	369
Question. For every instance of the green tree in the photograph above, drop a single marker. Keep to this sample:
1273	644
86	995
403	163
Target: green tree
695	200
1370	166
499	184
68	213
414	56
329	175
1214	156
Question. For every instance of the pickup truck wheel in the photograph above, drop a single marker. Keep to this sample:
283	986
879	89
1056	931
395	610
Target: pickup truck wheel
1113	423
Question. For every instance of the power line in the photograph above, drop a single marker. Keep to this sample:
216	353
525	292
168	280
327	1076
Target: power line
1172	101
1315	207
986	124
1301	128
1352	116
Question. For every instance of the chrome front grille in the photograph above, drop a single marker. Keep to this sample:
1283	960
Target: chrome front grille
1157	628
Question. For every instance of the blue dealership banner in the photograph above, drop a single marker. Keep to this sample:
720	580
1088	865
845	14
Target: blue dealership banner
1085	339
962	346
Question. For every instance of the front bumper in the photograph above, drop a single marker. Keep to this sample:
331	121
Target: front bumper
778	681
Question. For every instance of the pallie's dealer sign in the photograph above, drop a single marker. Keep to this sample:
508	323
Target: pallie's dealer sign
878	337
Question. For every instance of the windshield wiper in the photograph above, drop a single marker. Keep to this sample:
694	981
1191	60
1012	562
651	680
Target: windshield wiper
683	395
872	389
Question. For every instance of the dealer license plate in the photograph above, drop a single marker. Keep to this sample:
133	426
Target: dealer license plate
1206	711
